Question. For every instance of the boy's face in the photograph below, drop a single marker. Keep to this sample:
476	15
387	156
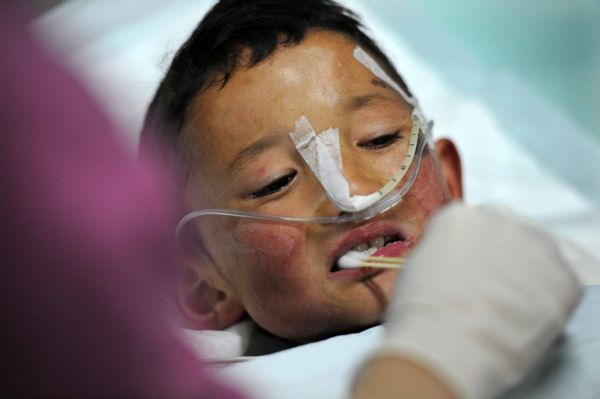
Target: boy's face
281	274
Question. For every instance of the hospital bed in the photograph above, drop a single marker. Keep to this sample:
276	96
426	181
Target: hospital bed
325	369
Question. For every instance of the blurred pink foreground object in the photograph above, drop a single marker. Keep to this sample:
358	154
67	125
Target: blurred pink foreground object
85	233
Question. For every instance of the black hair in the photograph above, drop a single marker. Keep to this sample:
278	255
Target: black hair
212	51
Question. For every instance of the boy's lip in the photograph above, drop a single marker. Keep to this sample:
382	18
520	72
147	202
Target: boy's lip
361	235
360	273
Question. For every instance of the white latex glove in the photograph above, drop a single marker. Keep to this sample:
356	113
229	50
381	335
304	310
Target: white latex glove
481	299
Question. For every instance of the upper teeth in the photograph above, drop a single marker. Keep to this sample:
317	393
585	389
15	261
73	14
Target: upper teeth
371	245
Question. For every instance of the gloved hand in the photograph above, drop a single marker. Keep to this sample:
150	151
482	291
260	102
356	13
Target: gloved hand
480	301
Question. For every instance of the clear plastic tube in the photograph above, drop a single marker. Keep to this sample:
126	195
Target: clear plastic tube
386	202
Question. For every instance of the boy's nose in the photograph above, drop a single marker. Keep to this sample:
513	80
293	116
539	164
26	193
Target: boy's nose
362	180
327	209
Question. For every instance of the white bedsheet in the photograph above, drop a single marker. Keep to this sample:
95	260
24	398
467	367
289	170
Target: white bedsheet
326	369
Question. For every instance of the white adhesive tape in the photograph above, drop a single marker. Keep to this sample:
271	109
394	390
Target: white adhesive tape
322	152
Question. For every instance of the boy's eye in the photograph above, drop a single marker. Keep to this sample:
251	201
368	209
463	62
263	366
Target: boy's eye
381	141
275	186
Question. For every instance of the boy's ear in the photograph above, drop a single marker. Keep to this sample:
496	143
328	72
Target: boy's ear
449	159
204	304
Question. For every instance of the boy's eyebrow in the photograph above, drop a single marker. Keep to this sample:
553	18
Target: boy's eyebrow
252	151
359	102
373	98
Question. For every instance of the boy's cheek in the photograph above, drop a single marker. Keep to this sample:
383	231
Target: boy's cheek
277	293
428	194
268	239
430	190
288	308
275	279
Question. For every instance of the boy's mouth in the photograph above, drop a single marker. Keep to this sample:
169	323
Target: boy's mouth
373	240
370	248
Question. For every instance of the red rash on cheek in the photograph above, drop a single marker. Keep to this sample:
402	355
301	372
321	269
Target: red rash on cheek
430	189
271	281
268	239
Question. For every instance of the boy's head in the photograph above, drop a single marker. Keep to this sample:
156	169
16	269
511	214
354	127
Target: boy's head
227	104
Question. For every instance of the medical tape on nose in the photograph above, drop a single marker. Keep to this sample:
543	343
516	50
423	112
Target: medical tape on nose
323	155
322	152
